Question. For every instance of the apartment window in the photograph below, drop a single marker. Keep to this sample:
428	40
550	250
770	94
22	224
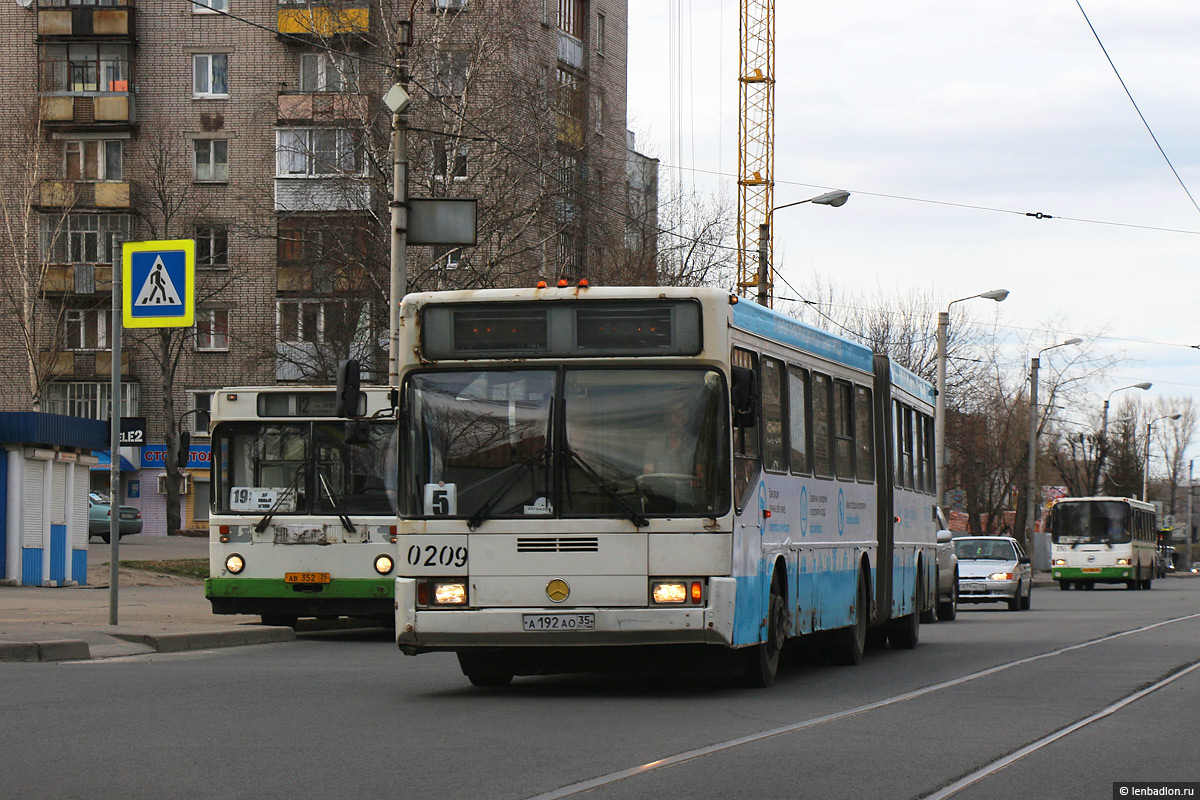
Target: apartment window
87	329
82	238
571	16
89	399
212	160
210	75
317	321
209	6
449	5
212	329
328	72
92	160
450	70
571	99
318	151
85	68
201	404
212	246
600	34
444	166
598	111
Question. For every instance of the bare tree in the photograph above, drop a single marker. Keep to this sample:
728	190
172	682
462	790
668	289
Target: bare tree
1173	439
693	243
31	276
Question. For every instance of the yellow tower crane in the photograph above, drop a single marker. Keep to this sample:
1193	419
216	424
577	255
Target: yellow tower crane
756	144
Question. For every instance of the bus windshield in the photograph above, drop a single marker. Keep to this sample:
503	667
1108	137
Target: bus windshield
570	443
1090	523
304	468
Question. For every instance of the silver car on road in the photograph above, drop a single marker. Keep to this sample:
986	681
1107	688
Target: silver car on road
993	569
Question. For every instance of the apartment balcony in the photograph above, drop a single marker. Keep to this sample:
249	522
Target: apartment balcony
322	107
570	130
99	110
85	279
314	194
84	194
322	21
59	21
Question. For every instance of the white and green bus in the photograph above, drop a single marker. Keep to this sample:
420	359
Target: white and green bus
1102	540
589	472
303	517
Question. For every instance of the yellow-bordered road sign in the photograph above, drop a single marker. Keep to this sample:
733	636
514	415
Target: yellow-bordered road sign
158	284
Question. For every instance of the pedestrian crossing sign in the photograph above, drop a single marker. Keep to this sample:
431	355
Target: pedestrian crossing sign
158	284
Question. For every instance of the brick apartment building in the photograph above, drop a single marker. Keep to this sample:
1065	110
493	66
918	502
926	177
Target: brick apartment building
256	127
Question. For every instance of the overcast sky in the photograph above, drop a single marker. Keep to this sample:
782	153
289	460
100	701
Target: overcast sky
1008	106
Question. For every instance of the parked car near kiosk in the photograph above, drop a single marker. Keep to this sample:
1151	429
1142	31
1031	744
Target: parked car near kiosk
98	519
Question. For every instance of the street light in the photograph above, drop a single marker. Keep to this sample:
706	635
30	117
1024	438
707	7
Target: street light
836	198
939	415
1187	528
1031	489
1104	423
1146	460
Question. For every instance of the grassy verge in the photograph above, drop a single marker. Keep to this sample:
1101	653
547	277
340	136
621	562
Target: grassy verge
184	567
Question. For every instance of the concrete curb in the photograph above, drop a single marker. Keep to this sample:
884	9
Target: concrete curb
133	643
54	650
208	640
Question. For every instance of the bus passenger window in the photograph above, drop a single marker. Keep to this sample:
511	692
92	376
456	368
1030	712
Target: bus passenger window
774	441
864	434
822	429
843	430
906	464
797	395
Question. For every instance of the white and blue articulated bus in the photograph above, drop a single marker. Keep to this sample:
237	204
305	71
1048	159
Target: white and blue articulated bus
587	473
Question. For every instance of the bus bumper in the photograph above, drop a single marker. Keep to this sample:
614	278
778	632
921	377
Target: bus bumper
1101	574
420	630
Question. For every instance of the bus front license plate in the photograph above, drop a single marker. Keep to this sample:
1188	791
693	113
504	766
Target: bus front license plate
306	577
559	622
1090	570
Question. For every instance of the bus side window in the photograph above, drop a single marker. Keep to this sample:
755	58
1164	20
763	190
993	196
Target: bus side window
864	434
774	434
822	429
843	430
798	405
747	453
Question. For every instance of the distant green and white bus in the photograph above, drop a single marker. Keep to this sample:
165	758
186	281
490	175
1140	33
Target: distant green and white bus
1102	540
303	520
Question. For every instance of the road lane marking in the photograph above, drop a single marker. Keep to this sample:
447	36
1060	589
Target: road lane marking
1017	755
712	749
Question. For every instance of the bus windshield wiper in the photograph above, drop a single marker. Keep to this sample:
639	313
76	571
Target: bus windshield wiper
631	513
516	472
347	525
261	525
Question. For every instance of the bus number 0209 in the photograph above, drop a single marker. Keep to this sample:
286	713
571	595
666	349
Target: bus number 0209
433	556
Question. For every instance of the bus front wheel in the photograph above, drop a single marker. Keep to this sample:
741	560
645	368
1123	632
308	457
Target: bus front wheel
762	660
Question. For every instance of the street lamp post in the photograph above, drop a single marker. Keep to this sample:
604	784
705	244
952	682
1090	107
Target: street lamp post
1187	528
939	415
1144	385
1031	487
1146	459
764	280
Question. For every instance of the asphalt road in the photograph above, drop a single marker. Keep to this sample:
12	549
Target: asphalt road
344	714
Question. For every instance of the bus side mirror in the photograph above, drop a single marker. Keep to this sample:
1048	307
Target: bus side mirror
744	396
349	380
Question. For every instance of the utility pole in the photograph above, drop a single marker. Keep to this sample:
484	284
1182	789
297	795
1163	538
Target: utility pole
397	100
764	264
114	436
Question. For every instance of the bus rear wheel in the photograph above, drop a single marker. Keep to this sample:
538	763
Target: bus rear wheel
762	660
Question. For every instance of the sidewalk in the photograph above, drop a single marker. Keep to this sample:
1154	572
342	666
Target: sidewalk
156	613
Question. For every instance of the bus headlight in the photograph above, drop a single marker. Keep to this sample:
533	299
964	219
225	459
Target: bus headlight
1122	562
235	563
1000	576
383	564
669	592
1060	562
450	594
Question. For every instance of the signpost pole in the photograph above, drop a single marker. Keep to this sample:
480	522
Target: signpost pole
114	438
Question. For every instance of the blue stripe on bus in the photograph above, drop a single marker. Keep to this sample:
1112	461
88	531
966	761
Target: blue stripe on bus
754	318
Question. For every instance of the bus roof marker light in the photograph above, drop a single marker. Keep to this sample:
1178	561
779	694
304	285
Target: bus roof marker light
583	283
563	283
540	285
